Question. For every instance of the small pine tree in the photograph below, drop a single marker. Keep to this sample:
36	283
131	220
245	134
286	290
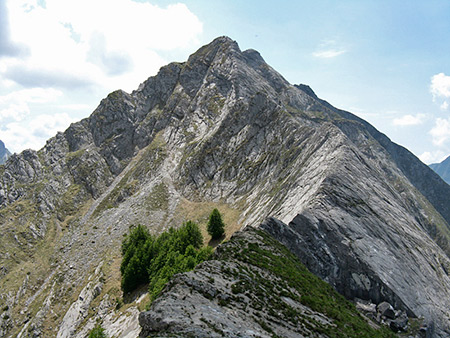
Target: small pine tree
190	234
216	227
98	332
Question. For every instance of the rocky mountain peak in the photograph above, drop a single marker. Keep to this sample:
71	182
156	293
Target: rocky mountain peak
224	130
220	47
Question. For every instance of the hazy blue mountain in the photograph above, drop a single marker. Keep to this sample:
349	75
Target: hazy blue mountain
442	169
4	153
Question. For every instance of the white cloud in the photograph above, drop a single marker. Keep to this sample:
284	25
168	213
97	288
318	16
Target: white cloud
117	44
33	134
45	76
327	54
409	120
15	105
433	157
75	106
440	89
440	85
441	131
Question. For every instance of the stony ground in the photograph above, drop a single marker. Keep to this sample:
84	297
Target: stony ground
244	291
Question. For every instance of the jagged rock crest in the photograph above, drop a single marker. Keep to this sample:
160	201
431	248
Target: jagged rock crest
225	130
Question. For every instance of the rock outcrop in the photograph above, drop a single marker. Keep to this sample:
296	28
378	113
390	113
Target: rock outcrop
343	262
252	287
222	129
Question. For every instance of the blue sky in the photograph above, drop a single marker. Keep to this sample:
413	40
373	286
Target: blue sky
385	61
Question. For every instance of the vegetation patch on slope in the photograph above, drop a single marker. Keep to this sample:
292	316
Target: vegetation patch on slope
154	260
297	284
254	284
145	163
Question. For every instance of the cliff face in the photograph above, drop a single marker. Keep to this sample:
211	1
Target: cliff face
221	130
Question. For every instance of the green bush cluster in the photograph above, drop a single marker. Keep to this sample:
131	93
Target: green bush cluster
136	256
154	260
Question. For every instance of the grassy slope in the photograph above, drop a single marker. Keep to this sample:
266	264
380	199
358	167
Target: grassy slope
296	280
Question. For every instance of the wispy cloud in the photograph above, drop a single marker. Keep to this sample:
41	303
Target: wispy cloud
7	47
75	106
15	105
328	49
33	134
328	54
409	120
48	77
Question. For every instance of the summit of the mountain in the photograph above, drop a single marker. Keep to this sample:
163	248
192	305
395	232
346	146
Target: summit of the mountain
225	130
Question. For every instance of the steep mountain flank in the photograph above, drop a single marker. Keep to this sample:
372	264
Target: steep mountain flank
417	173
4	153
253	287
442	169
222	129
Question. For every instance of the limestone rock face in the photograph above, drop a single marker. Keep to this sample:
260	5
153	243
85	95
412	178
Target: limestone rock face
242	292
369	269
225	130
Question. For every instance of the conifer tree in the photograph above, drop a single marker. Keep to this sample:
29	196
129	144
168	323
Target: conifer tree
216	227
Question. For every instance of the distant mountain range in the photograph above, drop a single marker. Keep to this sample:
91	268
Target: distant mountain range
442	169
4	153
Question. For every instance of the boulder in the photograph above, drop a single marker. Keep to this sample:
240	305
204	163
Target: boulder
400	323
386	310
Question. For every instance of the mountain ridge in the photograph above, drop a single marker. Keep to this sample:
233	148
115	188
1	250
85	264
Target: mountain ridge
442	169
221	129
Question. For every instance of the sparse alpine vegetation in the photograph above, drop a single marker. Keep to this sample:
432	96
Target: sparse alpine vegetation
98	332
254	284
